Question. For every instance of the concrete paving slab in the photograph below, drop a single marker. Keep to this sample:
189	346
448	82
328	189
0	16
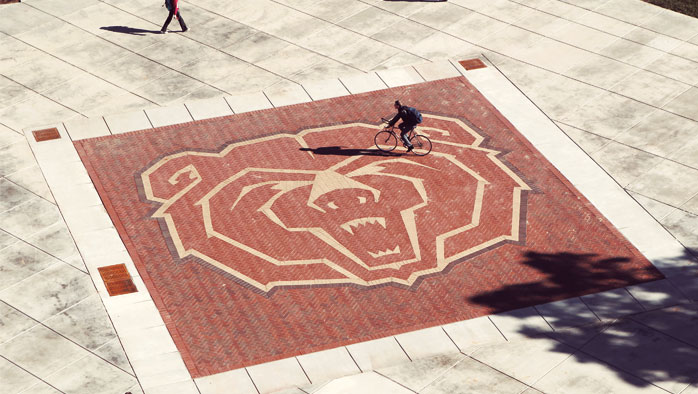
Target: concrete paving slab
236	381
607	115
663	360
41	351
671	182
12	194
13	322
146	343
87	128
582	374
628	11
361	83
600	71
85	323
277	375
90	375
526	360
540	53
660	133
436	70
601	22
88	219
584	37
612	304
676	322
369	21
469	335
625	164
165	116
319	90
124	123
567	313
362	383
329	364
378	353
653	39
57	241
470	376
656	295
14	378
249	102
175	388
428	342
672	24
650	88
631	53
21	261
47	286
577	337
418	374
161	370
520	323
400	77
286	93
29	217
684	104
209	108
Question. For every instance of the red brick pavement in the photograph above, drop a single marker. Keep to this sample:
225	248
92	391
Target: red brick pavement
281	232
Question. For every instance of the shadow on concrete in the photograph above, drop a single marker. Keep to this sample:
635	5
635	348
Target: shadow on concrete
341	151
129	30
656	347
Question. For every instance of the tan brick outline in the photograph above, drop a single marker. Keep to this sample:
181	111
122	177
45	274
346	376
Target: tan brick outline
442	260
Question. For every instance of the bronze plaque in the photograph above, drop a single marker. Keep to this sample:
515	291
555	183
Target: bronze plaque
117	279
46	134
472	64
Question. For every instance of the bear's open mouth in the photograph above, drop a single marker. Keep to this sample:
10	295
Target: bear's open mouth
355	223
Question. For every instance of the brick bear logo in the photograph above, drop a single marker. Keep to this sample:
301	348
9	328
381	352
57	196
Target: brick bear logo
284	210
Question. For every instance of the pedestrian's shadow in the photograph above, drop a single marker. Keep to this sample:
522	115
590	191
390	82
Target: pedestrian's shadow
129	30
340	151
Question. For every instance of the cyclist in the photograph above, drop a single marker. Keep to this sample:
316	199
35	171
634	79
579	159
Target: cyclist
408	115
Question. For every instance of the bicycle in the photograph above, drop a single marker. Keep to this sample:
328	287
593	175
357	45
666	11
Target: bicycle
386	140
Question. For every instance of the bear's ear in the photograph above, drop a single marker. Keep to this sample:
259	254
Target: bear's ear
169	178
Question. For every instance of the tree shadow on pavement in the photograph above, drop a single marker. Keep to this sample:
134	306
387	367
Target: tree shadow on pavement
566	275
657	345
129	30
341	151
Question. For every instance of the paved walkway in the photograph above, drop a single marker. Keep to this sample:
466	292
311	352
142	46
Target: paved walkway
617	76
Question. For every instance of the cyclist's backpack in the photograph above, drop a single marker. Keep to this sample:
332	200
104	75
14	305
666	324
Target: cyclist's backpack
415	114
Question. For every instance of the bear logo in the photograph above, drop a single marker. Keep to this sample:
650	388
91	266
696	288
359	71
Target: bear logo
277	211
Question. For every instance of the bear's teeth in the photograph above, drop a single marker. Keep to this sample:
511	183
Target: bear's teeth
362	221
386	252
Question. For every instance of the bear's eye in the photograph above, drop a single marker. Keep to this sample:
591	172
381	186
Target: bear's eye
332	205
362	200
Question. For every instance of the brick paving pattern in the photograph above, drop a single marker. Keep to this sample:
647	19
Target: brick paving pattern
274	233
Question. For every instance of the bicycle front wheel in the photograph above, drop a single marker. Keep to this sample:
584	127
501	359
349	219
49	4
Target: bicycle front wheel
385	141
422	145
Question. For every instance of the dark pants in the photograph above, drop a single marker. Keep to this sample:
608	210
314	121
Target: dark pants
169	19
404	129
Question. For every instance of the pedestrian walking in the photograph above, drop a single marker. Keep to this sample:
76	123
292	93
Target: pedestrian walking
173	8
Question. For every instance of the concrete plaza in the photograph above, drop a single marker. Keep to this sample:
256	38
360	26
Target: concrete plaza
618	77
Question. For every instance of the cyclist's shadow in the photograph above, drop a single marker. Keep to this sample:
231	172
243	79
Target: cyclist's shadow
341	151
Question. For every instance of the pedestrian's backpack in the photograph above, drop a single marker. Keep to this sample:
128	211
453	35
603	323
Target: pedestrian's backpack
415	114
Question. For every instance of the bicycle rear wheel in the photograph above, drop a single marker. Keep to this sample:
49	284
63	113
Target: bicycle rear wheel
422	145
385	141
